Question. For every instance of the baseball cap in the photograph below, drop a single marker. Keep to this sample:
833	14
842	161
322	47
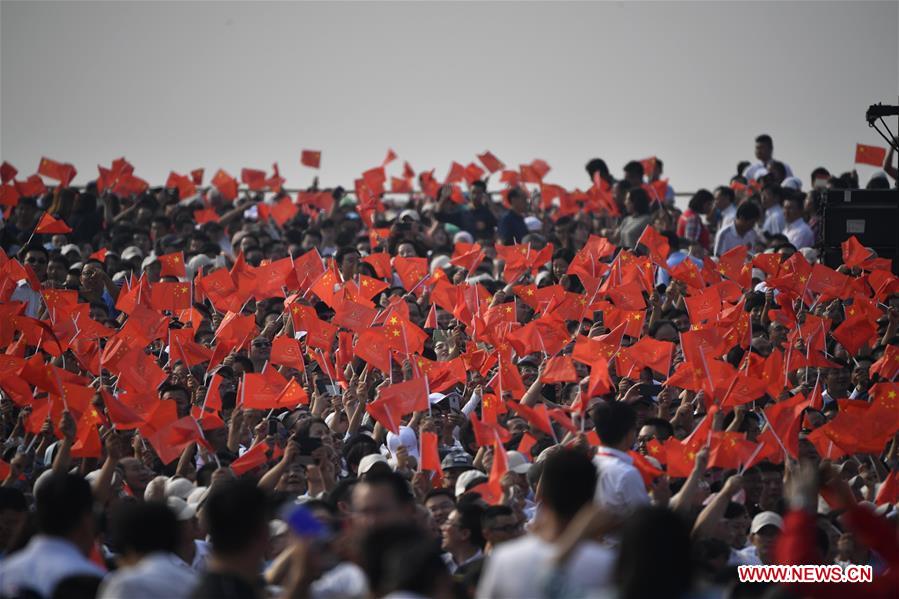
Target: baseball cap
517	462
409	213
183	510
178	487
456	459
764	519
131	252
468	479
368	461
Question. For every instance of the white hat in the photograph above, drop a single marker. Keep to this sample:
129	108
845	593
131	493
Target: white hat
463	237
517	462
178	487
533	223
70	247
794	183
197	496
441	261
810	254
131	252
155	490
148	261
467	479
368	461
183	510
277	528
763	519
413	214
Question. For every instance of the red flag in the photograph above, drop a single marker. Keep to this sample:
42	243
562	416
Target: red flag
49	226
657	245
172	265
559	369
170	440
888	364
704	305
311	158
430	458
183	348
854	253
261	390
225	184
650	353
491	162
406	397
372	347
855	333
7	172
62	172
889	489
286	351
411	271
252	458
170	296
600	381
872	155
537	417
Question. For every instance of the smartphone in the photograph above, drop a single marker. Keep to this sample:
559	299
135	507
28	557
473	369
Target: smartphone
272	427
650	390
305	460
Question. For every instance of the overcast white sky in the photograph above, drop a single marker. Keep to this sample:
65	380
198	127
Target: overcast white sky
180	85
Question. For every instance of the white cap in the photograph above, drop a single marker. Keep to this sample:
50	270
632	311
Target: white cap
178	487
197	496
764	519
463	237
183	510
155	490
368	461
70	247
517	462
413	214
794	183
533	223
131	252
466	479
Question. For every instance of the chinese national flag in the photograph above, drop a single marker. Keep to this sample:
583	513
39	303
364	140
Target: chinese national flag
652	353
380	261
225	184
402	335
729	450
406	397
62	172
742	389
170	296
286	352
172	265
679	458
411	271
657	245
559	369
7	172
687	272
311	158
509	379
703	306
253	178
352	315
854	253
443	375
854	333
50	226
170	440
319	333
261	390
309	266
291	396
537	417
252	458
872	155
491	162
467	256
372	347
183	348
430	458
647	471
600	381
889	489
888	364
196	176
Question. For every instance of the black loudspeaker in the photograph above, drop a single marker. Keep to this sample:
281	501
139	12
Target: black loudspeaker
871	215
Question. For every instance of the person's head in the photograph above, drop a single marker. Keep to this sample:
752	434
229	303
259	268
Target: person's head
764	148
763	532
654	428
772	486
135	474
462	529
702	201
65	508
13	512
382	498
747	215
236	515
37	258
724	197
178	394
440	502
837	381
615	423
846	546
792	209
500	524
567	483
348	260
654	555
598	166
737	522
260	350
819	178
518	200
636	202
402	559
633	173
139	529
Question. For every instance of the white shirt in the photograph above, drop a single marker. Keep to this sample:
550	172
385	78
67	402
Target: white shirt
727	216
799	234
748	556
753	171
346	580
28	296
42	564
156	575
774	220
620	487
525	567
728	238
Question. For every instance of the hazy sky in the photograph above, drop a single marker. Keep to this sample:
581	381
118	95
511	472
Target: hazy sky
180	85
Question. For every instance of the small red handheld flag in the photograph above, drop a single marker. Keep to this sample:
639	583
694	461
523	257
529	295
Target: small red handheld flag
311	158
872	155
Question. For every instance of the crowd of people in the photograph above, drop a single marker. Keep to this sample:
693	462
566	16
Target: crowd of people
424	389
